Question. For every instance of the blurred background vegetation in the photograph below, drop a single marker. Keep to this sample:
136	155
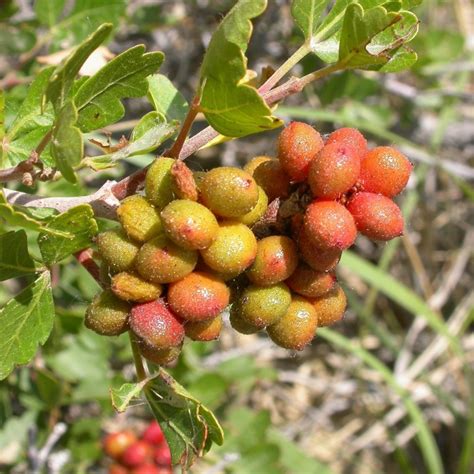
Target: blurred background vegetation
383	391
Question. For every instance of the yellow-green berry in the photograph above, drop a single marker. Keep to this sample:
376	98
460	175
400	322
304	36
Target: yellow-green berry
257	212
130	287
330	307
159	182
239	324
204	330
116	250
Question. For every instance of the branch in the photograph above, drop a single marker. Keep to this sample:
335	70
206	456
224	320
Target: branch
85	258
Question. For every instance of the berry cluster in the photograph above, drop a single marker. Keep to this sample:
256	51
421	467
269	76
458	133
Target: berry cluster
148	455
266	239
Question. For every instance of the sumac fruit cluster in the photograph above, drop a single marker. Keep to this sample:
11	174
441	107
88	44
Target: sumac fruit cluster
265	239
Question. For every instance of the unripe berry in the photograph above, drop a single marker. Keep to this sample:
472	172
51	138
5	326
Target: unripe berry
208	330
329	225
384	170
107	315
116	443
159	356
198	296
153	433
298	145
159	182
139	218
239	324
330	308
162	455
255	162
137	453
334	171
262	306
376	216
233	251
297	327
317	259
257	212
272	178
130	287
156	325
349	136
276	260
116	250
189	224
310	283
162	261
229	192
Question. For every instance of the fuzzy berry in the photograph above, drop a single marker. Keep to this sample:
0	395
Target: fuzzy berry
162	455
156	355
298	145
153	433
330	307
376	216
334	171
329	225
137	453
274	180
117	469
317	259
116	443
208	330
310	283
349	136
384	170
147	468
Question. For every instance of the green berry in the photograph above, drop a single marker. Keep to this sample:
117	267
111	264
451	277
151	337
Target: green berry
252	165
204	330
297	327
257	212
239	324
189	224
229	192
162	261
273	179
139	218
276	260
158	356
262	306
159	182
107	315
116	250
233	251
330	307
130	287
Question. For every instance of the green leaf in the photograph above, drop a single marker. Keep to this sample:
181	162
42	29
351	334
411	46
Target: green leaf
16	217
63	78
15	261
48	11
85	18
189	427
123	396
80	220
26	321
307	15
166	99
98	100
149	133
2	128
234	109
67	146
423	432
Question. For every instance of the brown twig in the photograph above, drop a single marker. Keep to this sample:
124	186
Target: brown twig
85	258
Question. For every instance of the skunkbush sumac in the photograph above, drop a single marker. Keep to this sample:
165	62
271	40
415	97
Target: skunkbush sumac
266	240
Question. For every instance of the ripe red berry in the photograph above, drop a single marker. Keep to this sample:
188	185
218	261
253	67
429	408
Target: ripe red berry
376	216
384	170
334	171
137	453
153	433
116	443
298	145
162	455
156	324
317	259
329	225
147	468
349	136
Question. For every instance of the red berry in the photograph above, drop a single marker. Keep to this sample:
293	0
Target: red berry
298	145
376	216
156	324
334	171
153	433
137	453
310	283
146	469
116	443
317	259
162	455
384	170
117	469
349	136
329	225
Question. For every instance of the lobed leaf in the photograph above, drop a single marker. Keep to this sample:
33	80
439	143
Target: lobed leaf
233	108
98	99
122	397
67	147
307	15
80	220
166	99
26	321
15	261
63	78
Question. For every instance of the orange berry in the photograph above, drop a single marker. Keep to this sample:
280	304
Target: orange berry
330	307
317	259
208	330
310	283
349	136
116	443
